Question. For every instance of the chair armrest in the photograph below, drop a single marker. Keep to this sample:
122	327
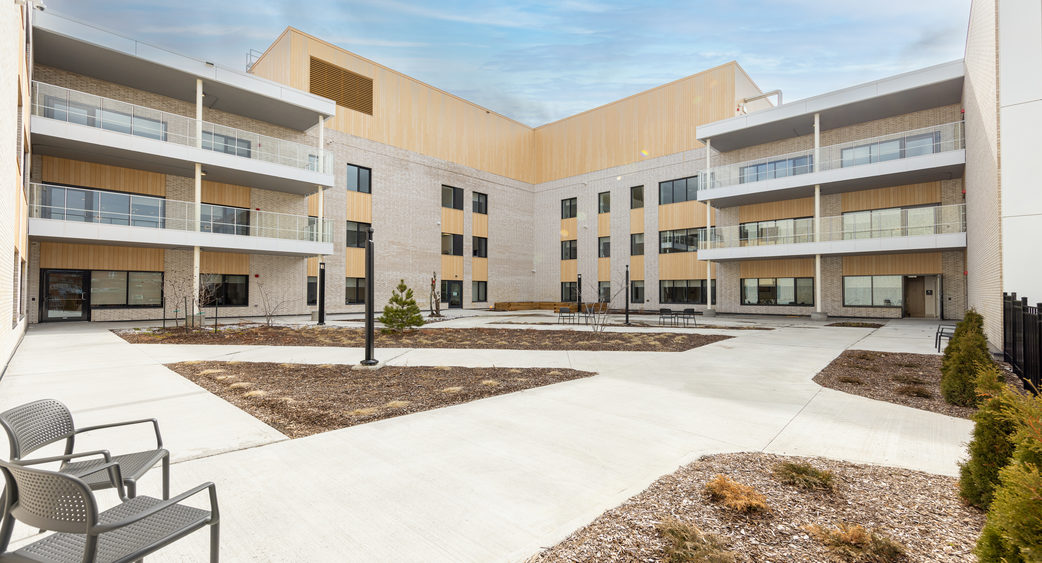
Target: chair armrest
155	424
35	461
214	512
115	476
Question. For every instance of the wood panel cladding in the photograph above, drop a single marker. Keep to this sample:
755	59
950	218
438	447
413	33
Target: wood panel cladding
102	176
224	263
636	267
219	193
892	264
603	224
360	207
313	267
100	257
637	220
787	209
788	268
681	266
348	89
452	221
451	267
354	264
604	269
479	225
894	196
683	215
569	270
479	269
569	229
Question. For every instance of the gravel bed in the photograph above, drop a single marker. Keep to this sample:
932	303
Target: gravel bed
919	510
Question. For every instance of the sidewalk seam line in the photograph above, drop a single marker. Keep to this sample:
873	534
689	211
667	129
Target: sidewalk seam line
798	413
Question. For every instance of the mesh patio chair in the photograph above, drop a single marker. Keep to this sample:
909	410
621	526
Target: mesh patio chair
40	423
666	315
65	504
689	315
565	314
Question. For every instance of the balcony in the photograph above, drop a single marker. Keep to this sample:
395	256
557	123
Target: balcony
899	158
939	227
86	215
74	124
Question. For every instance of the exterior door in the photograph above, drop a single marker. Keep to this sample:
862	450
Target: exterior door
66	295
915	296
452	293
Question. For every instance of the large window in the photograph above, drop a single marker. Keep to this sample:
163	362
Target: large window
776	169
680	240
359	179
451	197
778	291
684	291
905	147
603	247
224	219
637	244
126	289
569	208
479	292
569	292
636	197
779	231
357	234
480	203
97	206
354	291
637	291
873	291
892	222
604	291
225	290
312	290
568	250
676	191
228	144
93	116
604	202
451	245
480	247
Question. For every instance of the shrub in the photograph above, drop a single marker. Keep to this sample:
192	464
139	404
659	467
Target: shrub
735	496
685	543
992	445
803	476
966	351
853	543
401	312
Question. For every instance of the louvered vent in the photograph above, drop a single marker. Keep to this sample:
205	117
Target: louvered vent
353	91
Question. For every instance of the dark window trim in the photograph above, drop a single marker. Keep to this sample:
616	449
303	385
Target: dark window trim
872	290
223	297
483	199
602	251
698	187
126	296
741	289
475	247
473	299
358	177
457	197
643	241
700	233
641	206
569	205
573	253
360	229
600	208
356	288
703	301
457	244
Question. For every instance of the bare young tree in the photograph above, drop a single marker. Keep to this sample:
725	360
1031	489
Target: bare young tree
600	312
271	304
435	299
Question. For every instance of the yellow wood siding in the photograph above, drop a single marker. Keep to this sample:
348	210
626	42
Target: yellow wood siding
569	269
603	224
479	269
637	220
894	196
636	267
892	264
683	215
479	226
313	267
100	257
224	263
354	265
569	228
219	193
451	267
452	221
102	176
604	269
790	268
681	266
360	207
788	209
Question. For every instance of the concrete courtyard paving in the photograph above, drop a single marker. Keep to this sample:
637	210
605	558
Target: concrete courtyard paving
490	480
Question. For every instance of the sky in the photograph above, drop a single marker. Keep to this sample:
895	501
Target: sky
538	61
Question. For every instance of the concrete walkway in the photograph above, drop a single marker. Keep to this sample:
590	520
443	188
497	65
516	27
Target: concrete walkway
490	480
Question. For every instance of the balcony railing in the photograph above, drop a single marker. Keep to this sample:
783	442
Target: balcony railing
875	224
906	144
81	205
71	106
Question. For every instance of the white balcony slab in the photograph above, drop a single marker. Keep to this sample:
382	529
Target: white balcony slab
945	241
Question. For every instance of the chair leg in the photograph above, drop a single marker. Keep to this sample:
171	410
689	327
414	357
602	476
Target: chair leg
215	542
166	476
131	488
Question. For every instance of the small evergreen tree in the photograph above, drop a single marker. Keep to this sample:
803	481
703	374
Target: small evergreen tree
401	311
992	445
966	352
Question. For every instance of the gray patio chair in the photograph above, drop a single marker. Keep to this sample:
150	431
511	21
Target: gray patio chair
40	423
565	314
666	315
62	503
689	315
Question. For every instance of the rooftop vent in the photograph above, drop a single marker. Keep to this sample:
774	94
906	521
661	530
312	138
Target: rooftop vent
346	88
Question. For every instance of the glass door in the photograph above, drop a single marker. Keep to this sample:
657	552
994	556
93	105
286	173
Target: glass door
66	295
452	293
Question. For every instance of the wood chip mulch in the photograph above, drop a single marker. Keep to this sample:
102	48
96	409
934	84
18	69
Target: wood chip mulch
919	510
304	399
477	338
856	324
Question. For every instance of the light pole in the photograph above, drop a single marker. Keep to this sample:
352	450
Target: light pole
369	360
627	286
321	293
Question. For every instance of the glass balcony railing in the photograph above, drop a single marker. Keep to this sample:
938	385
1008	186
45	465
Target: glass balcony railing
874	224
906	144
71	106
82	205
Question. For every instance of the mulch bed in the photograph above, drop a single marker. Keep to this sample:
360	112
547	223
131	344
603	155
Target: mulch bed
303	399
642	324
919	510
479	338
856	324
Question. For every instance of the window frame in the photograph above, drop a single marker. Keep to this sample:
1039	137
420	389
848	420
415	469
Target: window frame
479	291
872	290
479	247
361	232
311	291
569	249
698	234
604	202
480	203
357	284
634	298
572	289
604	247
358	176
569	208
456	244
634	200
221	296
126	290
455	197
795	291
634	244
686	188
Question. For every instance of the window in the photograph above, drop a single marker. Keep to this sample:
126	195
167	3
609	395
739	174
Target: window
569	208
778	291
92	116
637	291
873	291
126	289
312	290
569	292
637	244
479	293
480	247
359	179
776	169
225	290
603	247
354	291
892	222
451	245
604	202
680	240
636	197
676	191
224	219
684	291
228	144
904	147
21	293
604	291
98	206
568	250
357	234
480	203
779	231
451	197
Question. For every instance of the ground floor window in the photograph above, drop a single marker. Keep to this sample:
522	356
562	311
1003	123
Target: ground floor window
873	291
604	292
225	290
778	291
354	291
480	292
126	289
569	292
684	291
312	290
637	291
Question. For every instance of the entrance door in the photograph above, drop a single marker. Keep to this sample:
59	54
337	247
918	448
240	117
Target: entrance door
452	293
66	295
915	296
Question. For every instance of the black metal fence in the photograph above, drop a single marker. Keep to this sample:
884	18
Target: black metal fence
1022	339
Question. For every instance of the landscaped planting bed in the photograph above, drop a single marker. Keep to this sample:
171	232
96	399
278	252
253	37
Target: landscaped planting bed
304	399
919	511
478	338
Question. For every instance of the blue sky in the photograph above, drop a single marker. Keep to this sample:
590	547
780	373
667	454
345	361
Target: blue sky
539	61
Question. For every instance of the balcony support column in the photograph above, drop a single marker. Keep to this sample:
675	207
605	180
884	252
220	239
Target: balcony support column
710	306
819	314
198	209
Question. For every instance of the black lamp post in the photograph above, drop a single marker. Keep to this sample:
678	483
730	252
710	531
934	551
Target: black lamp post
579	292
627	291
369	360
321	293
